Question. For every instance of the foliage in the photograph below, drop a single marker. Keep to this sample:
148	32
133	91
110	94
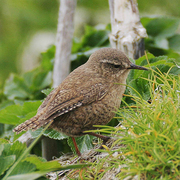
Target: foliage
138	85
21	90
147	141
20	100
29	85
17	164
162	36
93	39
152	131
20	21
22	95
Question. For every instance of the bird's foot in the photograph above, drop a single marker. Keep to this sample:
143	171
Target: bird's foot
104	138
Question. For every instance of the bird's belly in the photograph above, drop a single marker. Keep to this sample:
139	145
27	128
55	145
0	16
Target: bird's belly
83	118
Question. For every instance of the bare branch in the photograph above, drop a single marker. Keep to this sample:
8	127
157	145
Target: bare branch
127	31
62	60
64	40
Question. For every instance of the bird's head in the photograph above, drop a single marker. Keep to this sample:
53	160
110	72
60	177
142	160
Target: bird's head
112	63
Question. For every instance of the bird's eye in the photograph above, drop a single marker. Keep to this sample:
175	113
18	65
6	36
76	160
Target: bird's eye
117	66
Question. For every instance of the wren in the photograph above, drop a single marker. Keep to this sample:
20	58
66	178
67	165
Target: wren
88	96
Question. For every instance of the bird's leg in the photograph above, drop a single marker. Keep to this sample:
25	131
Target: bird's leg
104	138
76	147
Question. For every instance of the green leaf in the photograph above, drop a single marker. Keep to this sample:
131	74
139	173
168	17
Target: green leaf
174	42
51	133
23	168
79	58
158	63
163	27
175	70
47	58
47	91
163	63
142	60
141	86
3	141
160	42
28	86
42	80
84	143
11	114
41	77
6	103
1	148
15	114
42	164
162	38
30	106
36	133
27	176
23	154
15	87
86	54
95	37
6	162
29	76
37	174
16	149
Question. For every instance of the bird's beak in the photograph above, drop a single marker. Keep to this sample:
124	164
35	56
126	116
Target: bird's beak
133	66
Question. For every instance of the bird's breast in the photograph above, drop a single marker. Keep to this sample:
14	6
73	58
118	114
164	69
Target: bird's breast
83	118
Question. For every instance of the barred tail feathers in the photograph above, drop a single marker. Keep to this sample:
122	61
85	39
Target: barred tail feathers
33	123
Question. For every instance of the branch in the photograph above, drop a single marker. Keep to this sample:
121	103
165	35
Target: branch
126	29
64	41
62	60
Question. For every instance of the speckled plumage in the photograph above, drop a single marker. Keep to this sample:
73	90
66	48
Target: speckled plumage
88	96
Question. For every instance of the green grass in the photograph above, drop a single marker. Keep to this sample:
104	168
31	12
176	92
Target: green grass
148	140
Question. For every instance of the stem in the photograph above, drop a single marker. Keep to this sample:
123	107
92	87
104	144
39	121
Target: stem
26	152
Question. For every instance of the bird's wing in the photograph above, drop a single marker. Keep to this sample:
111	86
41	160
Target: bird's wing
62	101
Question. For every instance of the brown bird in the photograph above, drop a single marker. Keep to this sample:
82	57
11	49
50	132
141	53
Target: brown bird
88	96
